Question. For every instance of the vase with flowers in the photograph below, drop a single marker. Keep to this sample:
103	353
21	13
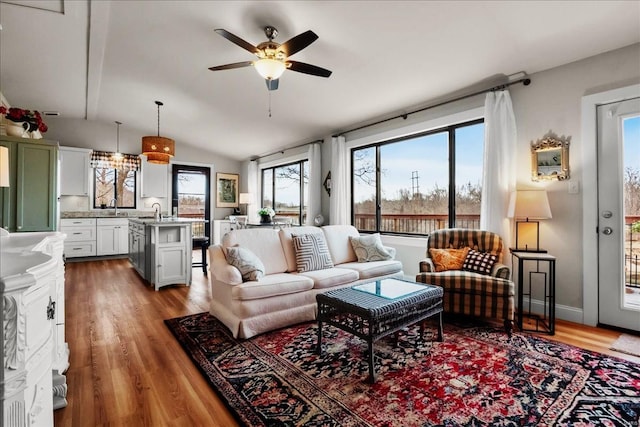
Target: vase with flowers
23	123
265	215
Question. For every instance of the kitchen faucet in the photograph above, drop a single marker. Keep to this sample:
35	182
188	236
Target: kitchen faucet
115	206
158	209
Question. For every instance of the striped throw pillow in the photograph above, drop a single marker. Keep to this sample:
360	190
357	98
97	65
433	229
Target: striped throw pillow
312	252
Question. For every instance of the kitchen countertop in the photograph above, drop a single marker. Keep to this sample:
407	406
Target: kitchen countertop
107	213
168	220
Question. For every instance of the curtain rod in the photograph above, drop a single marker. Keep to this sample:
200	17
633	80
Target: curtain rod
525	81
321	141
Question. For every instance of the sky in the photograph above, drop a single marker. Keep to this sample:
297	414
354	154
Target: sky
428	155
631	138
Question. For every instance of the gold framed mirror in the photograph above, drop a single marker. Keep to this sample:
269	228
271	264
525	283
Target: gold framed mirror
550	158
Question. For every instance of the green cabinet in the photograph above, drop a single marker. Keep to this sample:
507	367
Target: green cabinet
30	201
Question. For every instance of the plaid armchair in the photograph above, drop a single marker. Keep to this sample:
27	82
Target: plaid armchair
483	295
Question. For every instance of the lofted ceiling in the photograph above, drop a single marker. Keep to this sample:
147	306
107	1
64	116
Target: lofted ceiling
105	61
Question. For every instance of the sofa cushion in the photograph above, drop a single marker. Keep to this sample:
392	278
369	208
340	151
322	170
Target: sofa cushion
369	248
272	285
367	270
249	265
479	262
338	242
265	243
287	243
312	252
331	277
448	259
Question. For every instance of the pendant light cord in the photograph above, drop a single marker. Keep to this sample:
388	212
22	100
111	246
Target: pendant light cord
118	137
158	103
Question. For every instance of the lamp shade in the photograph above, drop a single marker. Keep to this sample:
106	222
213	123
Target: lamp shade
158	149
529	204
4	167
245	198
270	69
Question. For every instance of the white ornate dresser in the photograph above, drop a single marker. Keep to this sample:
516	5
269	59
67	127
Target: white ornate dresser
35	354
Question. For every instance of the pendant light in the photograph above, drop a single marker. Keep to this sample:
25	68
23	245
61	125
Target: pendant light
158	149
117	155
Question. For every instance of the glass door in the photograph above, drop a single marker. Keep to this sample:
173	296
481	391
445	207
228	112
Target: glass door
191	196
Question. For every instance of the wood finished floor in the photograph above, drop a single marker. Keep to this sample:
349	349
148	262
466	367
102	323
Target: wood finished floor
126	369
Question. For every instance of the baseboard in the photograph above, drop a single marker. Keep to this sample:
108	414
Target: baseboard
564	312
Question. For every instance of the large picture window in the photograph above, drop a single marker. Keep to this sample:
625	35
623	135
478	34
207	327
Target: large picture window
285	189
119	184
417	184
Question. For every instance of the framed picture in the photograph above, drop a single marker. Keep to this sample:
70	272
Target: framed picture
226	190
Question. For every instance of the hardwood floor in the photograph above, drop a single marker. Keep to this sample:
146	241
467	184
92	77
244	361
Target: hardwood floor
128	370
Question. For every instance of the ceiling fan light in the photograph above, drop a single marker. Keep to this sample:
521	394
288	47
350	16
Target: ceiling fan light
270	69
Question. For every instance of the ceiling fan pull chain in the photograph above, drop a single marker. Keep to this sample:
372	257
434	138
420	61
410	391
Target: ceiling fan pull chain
269	103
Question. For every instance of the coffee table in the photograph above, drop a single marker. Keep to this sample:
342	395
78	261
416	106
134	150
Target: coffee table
378	308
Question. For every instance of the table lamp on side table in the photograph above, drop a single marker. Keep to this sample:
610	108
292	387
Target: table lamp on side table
528	205
245	199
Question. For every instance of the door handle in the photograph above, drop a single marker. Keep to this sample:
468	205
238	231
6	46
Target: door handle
607	231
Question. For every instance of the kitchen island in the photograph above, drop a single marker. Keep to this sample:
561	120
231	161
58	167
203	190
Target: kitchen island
160	250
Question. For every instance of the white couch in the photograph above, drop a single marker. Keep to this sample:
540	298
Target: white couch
283	296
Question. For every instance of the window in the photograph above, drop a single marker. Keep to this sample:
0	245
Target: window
119	184
285	189
192	186
421	183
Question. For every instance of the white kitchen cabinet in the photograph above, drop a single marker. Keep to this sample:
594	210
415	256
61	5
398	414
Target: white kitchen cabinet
74	171
153	179
220	228
81	237
112	236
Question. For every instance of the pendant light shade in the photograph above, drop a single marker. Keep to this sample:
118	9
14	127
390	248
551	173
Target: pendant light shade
158	149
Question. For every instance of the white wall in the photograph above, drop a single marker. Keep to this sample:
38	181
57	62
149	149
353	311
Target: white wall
102	136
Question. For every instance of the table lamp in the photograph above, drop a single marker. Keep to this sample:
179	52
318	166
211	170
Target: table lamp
528	205
245	199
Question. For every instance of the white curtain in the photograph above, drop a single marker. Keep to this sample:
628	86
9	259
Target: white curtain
339	206
499	171
314	185
253	188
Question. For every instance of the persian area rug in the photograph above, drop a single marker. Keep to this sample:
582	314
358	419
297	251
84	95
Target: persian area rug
627	344
476	377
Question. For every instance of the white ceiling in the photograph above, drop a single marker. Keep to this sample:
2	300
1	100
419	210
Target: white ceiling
108	61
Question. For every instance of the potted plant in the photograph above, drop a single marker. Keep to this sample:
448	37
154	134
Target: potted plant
265	215
24	123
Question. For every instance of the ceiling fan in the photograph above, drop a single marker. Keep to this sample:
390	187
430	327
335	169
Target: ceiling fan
273	58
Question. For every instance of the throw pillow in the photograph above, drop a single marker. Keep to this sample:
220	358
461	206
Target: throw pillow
312	252
369	248
479	262
448	259
249	265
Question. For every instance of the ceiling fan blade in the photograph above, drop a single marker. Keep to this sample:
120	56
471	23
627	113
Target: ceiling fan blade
314	70
299	42
271	84
237	40
231	66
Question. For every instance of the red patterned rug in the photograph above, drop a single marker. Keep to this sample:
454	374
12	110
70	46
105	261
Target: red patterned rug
476	377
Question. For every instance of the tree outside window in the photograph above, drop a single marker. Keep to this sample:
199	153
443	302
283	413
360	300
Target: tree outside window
112	184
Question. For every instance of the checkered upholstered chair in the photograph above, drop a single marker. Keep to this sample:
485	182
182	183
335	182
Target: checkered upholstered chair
489	296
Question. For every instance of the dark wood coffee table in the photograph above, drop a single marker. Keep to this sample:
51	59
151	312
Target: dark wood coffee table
376	309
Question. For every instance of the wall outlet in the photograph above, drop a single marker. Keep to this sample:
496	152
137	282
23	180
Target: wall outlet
574	187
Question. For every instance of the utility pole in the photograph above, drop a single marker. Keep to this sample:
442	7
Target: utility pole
415	183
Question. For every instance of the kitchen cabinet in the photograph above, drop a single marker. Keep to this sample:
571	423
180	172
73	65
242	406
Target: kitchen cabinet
112	236
81	237
30	201
74	171
137	248
166	251
153	179
220	228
